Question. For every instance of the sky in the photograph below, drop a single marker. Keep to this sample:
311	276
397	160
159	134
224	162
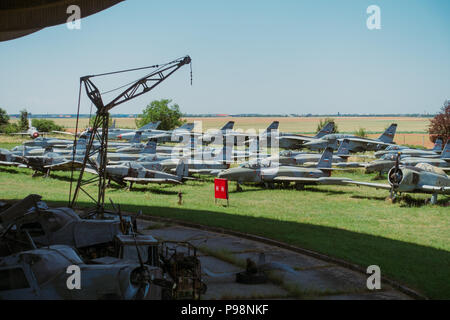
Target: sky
252	56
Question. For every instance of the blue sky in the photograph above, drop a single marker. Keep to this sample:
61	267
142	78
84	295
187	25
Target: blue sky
252	56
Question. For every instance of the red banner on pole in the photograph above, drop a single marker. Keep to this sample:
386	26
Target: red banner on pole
221	188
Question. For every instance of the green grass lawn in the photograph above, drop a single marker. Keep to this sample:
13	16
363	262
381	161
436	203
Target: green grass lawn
410	241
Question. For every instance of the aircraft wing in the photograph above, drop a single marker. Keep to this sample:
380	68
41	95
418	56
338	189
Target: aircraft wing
12	164
160	135
443	190
63	166
369	184
368	141
64	132
297	138
322	180
151	180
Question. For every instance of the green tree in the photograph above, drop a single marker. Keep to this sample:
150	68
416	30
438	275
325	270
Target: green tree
4	118
323	122
45	125
23	122
361	132
9	128
170	116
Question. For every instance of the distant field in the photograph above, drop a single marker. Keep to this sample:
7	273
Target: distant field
410	130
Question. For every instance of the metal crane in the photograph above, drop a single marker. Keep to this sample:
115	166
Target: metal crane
134	89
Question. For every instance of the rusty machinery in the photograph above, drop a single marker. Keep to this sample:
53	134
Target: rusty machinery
143	85
180	261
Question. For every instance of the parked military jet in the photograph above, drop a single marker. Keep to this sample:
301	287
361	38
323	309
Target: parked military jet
422	178
357	144
268	174
161	135
48	142
133	172
114	132
296	141
32	132
53	161
406	151
312	158
387	161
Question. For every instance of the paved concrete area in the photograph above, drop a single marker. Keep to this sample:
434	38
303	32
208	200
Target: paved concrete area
291	275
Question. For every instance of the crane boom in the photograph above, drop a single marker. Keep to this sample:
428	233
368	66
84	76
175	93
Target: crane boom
135	89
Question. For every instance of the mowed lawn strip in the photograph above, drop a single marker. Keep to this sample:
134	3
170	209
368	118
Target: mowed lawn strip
408	240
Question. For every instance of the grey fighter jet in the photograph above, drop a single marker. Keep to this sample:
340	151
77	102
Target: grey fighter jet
269	175
422	178
357	144
312	158
406	151
161	135
133	172
296	141
387	161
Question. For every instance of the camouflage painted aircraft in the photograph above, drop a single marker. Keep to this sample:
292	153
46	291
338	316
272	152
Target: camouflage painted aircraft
133	172
296	141
8	158
387	161
422	178
395	149
312	158
52	161
268	174
48	142
161	135
357	144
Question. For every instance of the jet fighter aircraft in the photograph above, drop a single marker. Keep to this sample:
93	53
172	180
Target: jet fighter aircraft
422	178
295	141
268	174
357	144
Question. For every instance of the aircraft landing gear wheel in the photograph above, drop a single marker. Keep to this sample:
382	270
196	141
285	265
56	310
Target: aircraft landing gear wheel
238	187
286	184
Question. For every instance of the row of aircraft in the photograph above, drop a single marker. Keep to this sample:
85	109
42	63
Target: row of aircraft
138	161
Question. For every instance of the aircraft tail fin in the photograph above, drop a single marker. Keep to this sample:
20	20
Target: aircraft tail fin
446	151
228	126
186	127
182	170
389	134
150	147
343	150
326	160
273	126
150	126
137	137
327	129
437	145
